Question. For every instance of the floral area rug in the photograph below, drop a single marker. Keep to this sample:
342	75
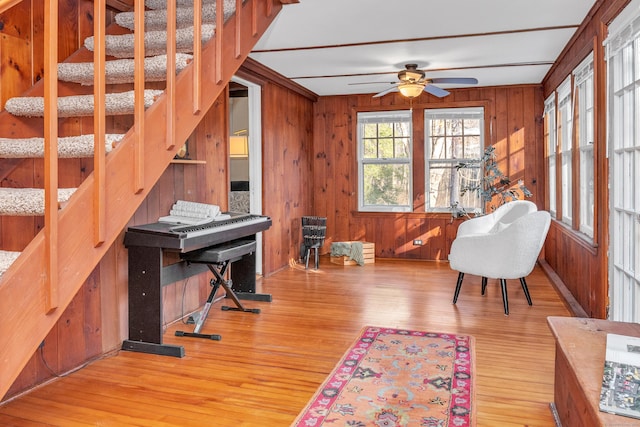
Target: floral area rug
396	377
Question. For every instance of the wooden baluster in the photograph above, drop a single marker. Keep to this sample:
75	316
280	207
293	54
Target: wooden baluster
269	7
99	121
219	25
197	56
171	74
254	18
51	153
238	46
138	86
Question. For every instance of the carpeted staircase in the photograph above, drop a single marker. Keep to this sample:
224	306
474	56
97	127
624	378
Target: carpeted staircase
78	252
119	71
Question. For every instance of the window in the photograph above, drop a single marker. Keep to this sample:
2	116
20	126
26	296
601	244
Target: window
623	81
585	135
384	161
452	135
551	143
564	133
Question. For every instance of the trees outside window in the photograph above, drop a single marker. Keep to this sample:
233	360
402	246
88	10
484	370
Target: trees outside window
453	136
583	93
551	145
565	122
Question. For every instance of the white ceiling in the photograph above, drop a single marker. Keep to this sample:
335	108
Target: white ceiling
327	45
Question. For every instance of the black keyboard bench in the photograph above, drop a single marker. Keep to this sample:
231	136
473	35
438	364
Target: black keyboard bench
218	259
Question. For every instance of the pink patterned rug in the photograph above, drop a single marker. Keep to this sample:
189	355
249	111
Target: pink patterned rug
396	377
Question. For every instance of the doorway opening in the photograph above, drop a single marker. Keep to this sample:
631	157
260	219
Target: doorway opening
245	163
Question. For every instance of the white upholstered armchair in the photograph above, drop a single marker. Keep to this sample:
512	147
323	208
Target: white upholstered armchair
504	251
503	215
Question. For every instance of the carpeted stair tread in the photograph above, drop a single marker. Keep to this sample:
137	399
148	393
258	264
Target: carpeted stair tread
156	20
6	259
155	42
28	201
162	4
121	70
79	105
69	147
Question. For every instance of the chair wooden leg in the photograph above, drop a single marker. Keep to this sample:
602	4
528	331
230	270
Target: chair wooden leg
484	284
526	290
505	301
458	286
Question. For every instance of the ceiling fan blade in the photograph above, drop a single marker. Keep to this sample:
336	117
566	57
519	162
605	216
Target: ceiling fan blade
436	91
370	83
459	80
384	92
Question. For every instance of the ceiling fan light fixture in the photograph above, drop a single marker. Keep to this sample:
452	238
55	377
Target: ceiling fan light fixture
411	90
411	74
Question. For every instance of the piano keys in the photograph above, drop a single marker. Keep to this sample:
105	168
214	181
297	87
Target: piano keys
187	238
147	245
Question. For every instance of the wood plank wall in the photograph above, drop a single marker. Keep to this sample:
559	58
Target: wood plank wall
287	178
287	123
581	266
514	127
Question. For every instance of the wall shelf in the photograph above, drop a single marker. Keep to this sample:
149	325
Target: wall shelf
189	162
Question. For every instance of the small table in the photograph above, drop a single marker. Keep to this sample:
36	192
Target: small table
580	352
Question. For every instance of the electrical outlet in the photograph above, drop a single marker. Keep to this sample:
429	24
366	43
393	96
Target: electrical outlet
417	242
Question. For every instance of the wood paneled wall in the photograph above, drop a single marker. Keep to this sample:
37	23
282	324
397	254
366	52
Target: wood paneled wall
287	179
287	123
514	128
581	267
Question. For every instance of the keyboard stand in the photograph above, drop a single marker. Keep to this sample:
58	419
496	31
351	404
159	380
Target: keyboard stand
218	260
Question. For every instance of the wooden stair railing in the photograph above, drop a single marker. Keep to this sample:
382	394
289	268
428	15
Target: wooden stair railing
31	302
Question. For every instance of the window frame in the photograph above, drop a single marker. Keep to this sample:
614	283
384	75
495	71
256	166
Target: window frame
430	114
551	147
623	150
362	161
584	92
564	124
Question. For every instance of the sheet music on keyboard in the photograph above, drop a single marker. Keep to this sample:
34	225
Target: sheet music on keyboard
192	213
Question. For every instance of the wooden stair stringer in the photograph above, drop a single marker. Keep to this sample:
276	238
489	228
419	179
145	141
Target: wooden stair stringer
22	287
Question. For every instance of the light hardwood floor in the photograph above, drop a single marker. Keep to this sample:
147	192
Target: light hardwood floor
268	365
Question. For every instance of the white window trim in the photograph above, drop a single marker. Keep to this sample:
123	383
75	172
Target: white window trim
404	114
552	148
623	144
440	112
582	75
565	111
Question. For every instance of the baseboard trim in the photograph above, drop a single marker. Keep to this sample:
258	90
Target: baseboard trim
569	300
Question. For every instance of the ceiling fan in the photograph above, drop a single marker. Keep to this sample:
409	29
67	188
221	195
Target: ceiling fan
413	82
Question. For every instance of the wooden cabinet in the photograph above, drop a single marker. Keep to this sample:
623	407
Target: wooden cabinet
580	351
